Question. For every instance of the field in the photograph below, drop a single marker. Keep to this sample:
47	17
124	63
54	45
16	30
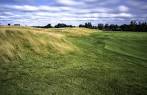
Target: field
72	61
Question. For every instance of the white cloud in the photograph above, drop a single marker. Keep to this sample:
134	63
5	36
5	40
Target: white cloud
112	15
123	8
45	15
34	8
70	2
44	8
91	0
7	13
25	7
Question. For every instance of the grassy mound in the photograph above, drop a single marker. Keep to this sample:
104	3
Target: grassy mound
72	61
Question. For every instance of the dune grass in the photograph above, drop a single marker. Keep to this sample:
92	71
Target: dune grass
72	61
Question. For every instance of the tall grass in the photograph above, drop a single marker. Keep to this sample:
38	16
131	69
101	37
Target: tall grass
16	40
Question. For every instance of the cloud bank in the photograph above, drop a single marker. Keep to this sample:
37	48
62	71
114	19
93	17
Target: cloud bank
42	12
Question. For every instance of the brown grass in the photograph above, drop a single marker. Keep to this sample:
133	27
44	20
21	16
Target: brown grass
15	41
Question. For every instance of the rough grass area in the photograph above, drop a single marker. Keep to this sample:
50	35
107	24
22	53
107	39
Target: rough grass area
72	61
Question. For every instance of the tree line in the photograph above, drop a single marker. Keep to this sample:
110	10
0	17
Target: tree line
133	26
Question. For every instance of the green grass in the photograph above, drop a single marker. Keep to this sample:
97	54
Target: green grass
72	61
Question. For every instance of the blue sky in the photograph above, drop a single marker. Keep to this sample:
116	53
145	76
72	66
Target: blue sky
42	12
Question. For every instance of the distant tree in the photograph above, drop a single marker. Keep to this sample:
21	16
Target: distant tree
143	27
88	25
94	27
62	25
106	27
133	25
81	25
114	27
70	26
48	26
100	26
124	27
9	24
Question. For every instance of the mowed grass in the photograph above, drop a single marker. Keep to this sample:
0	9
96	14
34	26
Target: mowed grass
72	61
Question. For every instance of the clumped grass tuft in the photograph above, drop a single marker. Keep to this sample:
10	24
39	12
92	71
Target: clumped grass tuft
14	41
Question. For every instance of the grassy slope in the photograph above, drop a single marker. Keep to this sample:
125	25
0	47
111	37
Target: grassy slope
72	62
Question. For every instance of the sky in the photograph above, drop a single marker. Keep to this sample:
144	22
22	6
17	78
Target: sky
75	12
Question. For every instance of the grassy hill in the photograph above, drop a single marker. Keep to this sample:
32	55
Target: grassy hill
72	61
